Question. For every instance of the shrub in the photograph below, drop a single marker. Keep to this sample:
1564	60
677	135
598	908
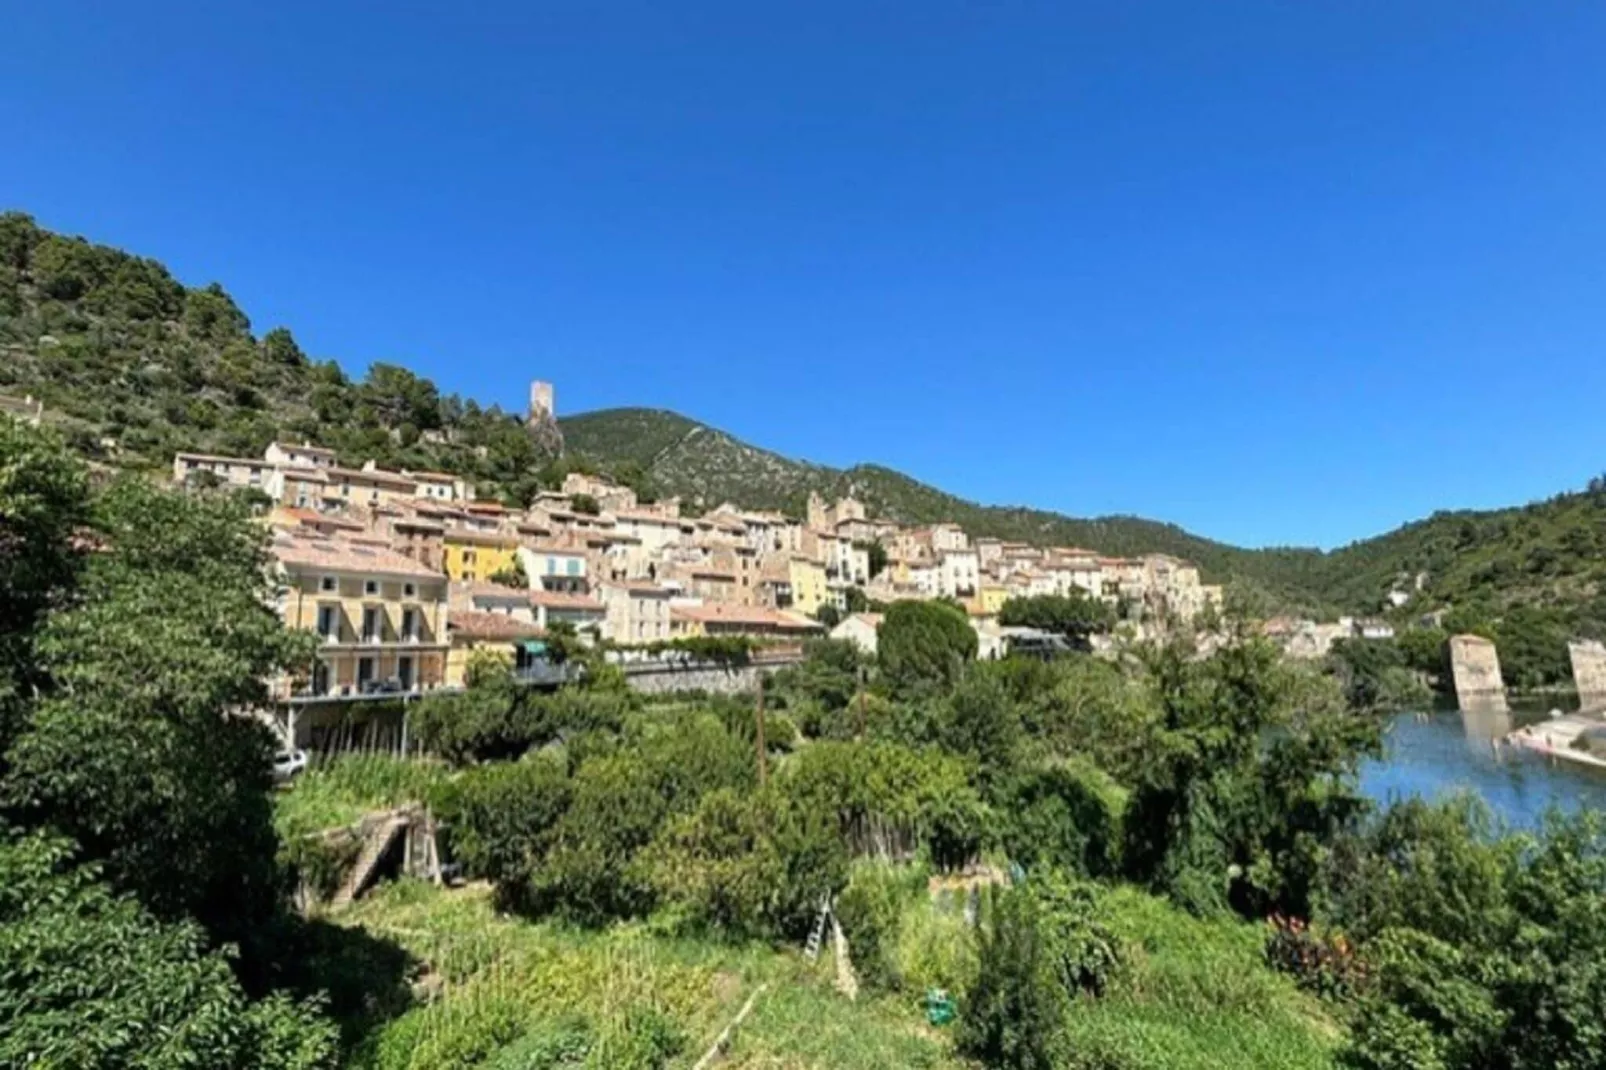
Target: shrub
870	910
718	867
590	873
501	819
1012	1016
1064	817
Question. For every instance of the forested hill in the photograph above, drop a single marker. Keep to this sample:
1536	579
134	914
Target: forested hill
133	366
704	464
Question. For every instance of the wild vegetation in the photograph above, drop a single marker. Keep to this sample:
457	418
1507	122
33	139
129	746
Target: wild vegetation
1155	861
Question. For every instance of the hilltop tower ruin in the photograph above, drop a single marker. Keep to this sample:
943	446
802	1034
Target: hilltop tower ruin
542	421
541	400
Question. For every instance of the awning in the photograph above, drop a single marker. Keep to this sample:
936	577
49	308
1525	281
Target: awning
533	646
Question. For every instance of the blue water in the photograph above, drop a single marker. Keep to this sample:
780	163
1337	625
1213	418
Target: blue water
1438	754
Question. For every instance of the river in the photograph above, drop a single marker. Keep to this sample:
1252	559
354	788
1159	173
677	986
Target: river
1437	754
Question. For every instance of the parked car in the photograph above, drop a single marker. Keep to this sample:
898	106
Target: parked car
287	763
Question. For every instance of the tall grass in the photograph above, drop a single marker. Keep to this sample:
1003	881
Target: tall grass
336	792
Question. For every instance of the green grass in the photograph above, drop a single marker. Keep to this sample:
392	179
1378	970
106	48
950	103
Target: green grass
337	792
502	993
1196	995
497	983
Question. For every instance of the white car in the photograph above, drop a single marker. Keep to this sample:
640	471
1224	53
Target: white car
287	763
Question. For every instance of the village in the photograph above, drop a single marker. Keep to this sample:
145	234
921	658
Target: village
405	575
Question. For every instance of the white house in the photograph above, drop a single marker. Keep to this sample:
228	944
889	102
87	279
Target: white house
860	629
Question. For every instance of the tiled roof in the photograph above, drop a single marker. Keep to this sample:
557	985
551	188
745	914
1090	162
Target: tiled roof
344	555
746	616
565	600
481	538
358	475
473	624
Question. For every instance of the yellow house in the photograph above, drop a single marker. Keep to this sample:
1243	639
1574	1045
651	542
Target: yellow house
472	556
380	618
808	585
474	631
991	598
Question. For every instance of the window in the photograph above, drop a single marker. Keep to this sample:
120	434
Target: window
409	590
345	490
404	672
409	625
365	673
328	584
574	567
370	625
329	622
370	587
551	566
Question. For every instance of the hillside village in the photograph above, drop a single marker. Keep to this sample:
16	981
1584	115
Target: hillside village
405	574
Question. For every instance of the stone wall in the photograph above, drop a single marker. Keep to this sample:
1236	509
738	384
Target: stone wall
1589	672
1476	667
663	679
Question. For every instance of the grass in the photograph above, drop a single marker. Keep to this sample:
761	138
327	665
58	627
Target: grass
497	985
336	792
1195	995
504	993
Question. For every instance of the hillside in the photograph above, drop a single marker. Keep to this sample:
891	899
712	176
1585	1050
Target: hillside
133	365
708	466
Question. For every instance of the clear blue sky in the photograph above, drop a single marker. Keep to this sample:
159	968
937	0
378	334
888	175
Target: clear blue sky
1285	272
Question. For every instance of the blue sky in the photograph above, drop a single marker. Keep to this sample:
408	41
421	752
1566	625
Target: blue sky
1287	272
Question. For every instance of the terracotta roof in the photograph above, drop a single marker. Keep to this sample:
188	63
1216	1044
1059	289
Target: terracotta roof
481	538
484	589
749	616
485	507
434	477
344	555
473	624
564	600
555	550
248	462
309	517
357	475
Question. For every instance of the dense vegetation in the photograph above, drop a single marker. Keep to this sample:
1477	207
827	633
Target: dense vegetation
1082	853
142	918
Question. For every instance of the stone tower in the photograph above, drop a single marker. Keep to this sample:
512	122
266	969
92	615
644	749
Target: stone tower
542	421
541	400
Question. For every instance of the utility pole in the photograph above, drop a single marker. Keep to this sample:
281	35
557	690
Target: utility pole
763	758
862	697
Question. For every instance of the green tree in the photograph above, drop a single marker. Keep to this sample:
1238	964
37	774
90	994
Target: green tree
44	501
584	504
923	646
135	747
1076	616
279	346
90	978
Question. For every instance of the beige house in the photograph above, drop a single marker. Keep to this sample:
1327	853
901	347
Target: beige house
636	612
192	469
381	617
306	455
586	614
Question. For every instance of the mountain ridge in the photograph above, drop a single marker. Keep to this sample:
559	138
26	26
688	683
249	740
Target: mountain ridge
133	365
